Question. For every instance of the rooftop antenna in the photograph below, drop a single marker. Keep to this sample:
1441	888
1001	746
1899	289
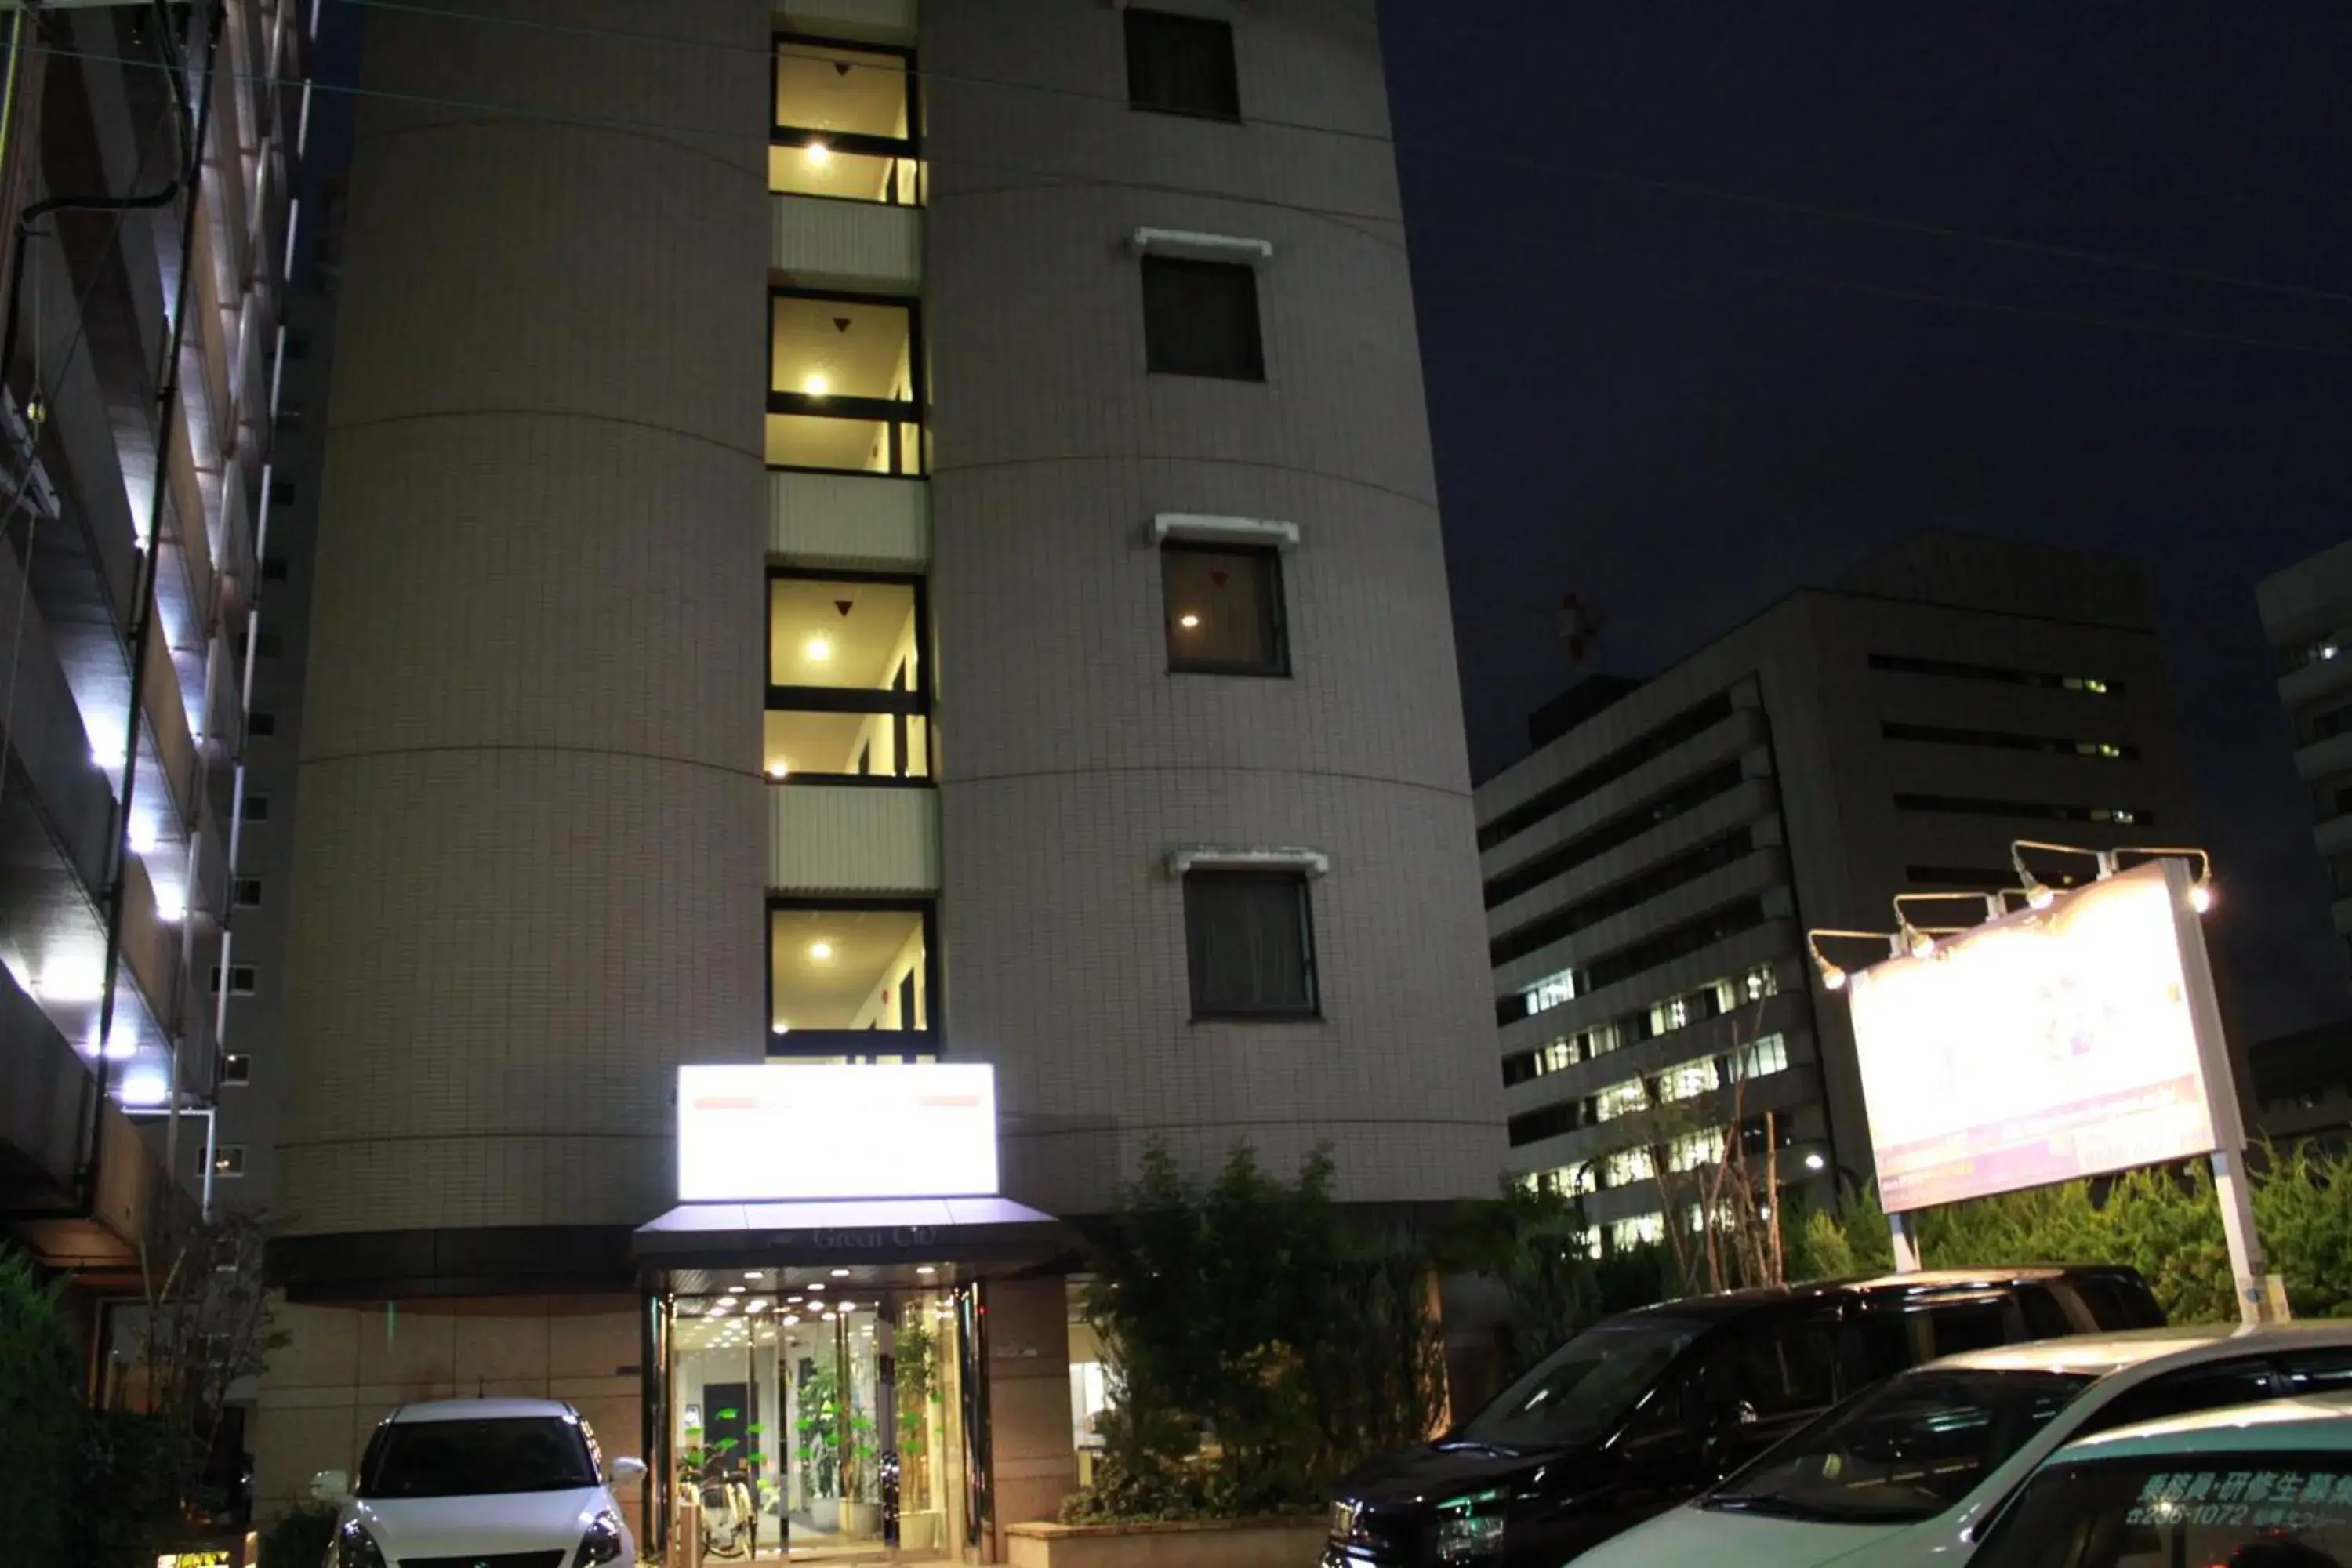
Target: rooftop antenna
1579	629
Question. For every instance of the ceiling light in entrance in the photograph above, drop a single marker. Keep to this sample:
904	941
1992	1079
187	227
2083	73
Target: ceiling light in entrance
925	1269
841	1274
819	1285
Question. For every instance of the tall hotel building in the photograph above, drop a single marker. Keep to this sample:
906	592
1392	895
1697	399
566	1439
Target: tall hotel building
148	175
861	536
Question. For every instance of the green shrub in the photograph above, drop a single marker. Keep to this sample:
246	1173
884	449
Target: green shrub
299	1537
40	1414
1261	1345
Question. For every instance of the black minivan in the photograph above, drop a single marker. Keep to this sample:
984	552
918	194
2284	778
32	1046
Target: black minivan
1645	1409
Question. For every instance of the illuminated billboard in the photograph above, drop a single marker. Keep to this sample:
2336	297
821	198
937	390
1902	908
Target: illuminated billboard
780	1131
2048	1044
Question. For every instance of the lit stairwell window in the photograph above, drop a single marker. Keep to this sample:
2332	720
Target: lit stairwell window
850	977
849	692
842	370
847	117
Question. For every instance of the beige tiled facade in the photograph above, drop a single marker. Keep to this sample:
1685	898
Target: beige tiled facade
536	838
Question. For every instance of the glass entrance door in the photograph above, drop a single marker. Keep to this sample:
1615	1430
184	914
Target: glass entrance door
815	1424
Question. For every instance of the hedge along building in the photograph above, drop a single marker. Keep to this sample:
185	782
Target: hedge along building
864	538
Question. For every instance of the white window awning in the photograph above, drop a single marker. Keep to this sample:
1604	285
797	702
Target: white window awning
1203	528
1199	246
1246	858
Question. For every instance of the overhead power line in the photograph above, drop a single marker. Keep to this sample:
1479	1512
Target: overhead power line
1684	189
1352	221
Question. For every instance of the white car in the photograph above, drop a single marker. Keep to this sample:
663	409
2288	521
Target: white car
2267	1485
1906	1473
482	1483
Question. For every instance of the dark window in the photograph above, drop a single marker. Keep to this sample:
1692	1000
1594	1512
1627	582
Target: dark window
1773	1370
1960	1326
281	492
1223	604
2245	1382
2028	810
1618	830
1663	877
261	723
256	808
1534	1126
1251	940
2008	741
1978	878
2117	1301
2323	1371
298	346
289	416
273	568
1548	1122
270	645
241	982
1181	64
476	1457
1689	724
237	1068
2045	1314
1200	317
247	893
1900	1334
1905	1450
2000	674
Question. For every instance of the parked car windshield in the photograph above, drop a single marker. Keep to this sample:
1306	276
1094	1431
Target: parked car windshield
1578	1391
2278	1510
1903	1451
476	1457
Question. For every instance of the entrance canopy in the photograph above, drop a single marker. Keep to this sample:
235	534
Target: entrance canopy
851	1230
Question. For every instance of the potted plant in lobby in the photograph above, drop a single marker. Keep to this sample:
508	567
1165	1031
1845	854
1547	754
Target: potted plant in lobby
921	1524
819	1428
861	1508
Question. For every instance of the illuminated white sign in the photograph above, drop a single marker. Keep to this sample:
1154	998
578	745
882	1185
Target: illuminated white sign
2045	1046
779	1131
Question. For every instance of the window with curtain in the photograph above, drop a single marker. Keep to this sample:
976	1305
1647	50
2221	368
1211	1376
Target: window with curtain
1251	943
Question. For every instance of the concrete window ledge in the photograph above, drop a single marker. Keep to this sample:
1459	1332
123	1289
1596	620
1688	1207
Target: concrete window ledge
1293	1542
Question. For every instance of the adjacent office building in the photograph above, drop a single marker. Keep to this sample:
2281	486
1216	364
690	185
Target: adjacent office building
1653	866
2307	614
2302	1083
148	184
862	538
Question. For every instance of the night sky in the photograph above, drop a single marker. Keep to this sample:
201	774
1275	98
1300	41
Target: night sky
1680	408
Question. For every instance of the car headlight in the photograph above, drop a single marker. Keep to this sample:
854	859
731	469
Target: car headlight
601	1543
1470	1527
355	1548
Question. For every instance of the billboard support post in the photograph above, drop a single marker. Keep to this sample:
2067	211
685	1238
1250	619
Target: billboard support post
2248	1269
1906	1236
